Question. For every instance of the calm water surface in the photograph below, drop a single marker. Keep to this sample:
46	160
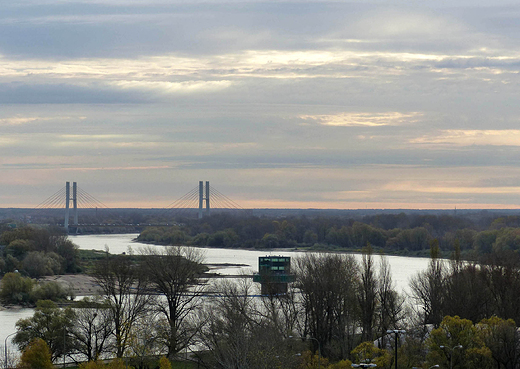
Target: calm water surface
402	268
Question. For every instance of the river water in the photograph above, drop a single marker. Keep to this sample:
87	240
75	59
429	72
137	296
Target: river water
402	268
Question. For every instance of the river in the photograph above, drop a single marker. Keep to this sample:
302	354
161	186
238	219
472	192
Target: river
402	268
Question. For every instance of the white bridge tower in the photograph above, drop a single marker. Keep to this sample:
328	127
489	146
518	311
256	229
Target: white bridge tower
203	198
74	200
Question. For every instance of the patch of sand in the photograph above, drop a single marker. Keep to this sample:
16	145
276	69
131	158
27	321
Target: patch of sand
81	284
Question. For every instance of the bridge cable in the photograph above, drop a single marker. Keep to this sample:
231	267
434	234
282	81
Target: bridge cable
230	203
51	200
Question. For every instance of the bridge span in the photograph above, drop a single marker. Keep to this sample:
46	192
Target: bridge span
74	200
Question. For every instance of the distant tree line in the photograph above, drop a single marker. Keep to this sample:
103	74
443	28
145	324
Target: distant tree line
399	233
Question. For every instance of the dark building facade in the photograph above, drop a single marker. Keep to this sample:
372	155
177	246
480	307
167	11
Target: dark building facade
274	274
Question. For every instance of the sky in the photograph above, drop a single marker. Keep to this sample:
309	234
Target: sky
279	104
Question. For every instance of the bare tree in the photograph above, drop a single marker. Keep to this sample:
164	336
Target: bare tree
127	297
229	319
429	289
328	286
367	294
174	272
239	334
502	275
11	360
390	305
92	328
284	312
145	343
467	294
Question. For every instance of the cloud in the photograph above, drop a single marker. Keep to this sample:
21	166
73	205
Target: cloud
186	87
306	101
261	63
66	93
179	72
404	24
86	169
469	61
364	119
8	141
21	120
152	67
493	137
459	189
16	121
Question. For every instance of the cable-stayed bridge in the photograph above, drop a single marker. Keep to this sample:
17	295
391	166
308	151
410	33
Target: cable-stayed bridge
72	200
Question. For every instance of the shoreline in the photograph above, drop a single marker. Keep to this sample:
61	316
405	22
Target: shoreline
375	251
331	249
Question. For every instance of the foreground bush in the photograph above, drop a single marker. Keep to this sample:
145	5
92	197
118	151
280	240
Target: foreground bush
36	356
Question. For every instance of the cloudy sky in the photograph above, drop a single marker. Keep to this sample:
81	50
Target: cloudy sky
298	104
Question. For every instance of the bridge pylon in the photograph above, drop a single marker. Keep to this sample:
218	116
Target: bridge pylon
74	200
203	198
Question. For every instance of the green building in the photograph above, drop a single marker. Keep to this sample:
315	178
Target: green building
274	274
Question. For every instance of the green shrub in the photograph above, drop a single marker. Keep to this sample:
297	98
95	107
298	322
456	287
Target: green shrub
49	291
15	288
38	264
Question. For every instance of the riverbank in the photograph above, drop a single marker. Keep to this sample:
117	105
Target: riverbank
85	285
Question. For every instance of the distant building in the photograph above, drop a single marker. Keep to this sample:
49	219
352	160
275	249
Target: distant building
274	274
